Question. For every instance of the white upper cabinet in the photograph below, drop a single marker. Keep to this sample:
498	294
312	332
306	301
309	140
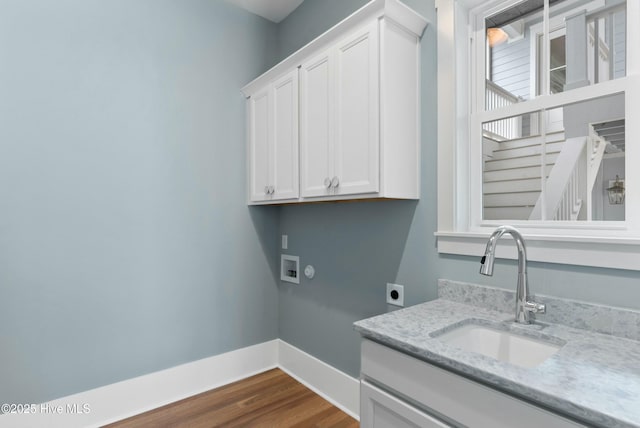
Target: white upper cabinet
339	143
273	141
358	116
284	174
356	143
316	125
259	147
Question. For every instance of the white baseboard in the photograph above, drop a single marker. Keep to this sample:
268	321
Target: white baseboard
340	389
130	397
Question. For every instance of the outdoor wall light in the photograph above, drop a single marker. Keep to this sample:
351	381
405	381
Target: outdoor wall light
616	192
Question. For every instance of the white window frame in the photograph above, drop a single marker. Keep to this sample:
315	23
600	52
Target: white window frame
556	24
601	244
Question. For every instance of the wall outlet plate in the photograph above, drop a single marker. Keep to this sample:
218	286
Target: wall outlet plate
395	294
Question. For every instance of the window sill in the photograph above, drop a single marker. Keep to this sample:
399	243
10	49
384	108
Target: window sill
606	252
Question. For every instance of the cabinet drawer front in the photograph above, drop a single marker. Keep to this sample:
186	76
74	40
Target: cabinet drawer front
381	410
460	399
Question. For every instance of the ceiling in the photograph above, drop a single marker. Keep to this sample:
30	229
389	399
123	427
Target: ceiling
273	10
614	134
516	12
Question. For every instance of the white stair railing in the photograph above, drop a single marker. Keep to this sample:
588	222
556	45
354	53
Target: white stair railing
498	97
573	195
570	183
565	189
596	145
599	64
595	149
579	188
592	59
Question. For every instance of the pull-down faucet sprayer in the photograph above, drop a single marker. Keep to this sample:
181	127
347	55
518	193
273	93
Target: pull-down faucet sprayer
524	307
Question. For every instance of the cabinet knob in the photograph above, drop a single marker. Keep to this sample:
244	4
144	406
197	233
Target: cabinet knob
327	183
335	182
266	190
273	189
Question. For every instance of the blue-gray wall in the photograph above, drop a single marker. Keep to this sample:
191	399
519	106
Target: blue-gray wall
357	248
309	20
126	245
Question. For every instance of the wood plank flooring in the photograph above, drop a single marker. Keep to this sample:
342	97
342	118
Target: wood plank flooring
270	399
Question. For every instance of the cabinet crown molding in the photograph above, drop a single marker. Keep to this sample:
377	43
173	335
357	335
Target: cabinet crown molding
395	10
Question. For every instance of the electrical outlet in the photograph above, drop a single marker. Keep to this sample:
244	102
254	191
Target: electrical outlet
285	242
395	294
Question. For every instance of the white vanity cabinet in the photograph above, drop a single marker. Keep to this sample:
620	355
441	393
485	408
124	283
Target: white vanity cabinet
273	141
398	390
357	121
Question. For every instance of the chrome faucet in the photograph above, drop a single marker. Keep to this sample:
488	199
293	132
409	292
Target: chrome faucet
524	307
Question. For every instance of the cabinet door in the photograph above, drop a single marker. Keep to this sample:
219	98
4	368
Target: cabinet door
316	125
259	136
357	147
283	165
381	410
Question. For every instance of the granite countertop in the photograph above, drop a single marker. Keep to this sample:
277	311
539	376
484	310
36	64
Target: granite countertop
594	377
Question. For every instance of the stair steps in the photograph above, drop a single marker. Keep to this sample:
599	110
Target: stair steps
511	199
528	141
515	174
512	176
510	213
534	149
526	185
519	162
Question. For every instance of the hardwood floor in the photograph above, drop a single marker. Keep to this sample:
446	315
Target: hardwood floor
270	399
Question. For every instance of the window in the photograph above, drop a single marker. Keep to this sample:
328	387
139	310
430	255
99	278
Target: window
558	69
546	97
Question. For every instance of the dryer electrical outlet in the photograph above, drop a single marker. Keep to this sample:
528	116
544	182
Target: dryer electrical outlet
395	294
